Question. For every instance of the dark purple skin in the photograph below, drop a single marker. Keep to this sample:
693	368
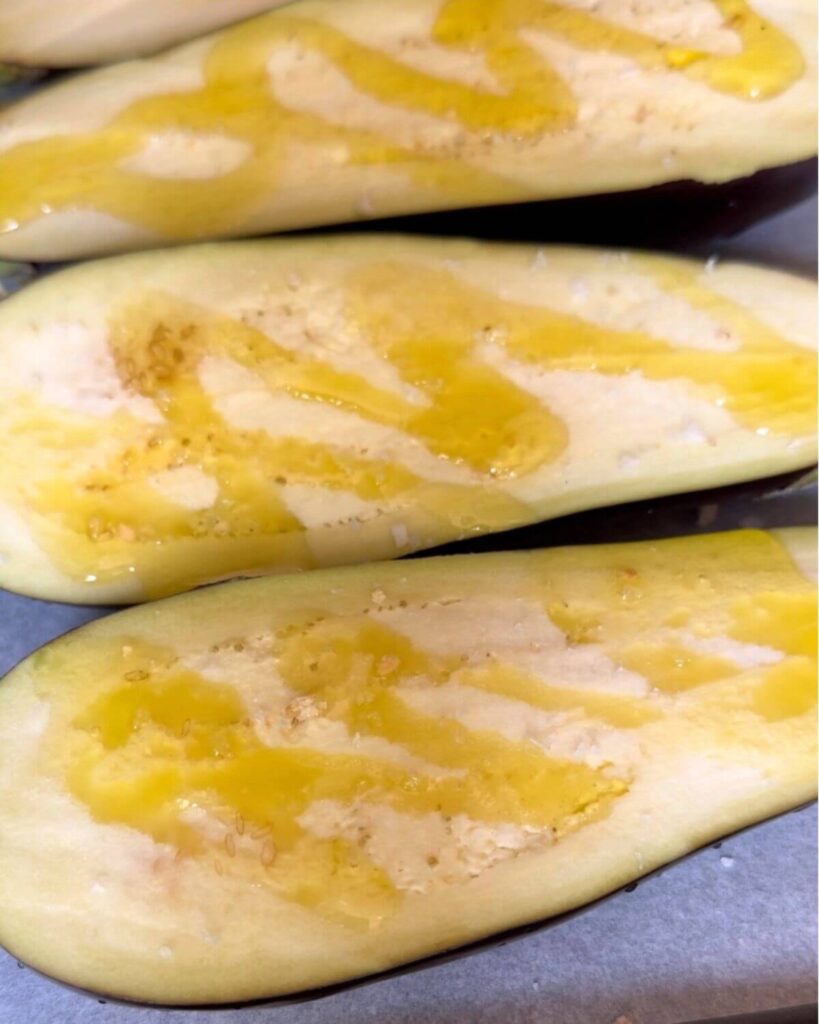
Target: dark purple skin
773	503
682	216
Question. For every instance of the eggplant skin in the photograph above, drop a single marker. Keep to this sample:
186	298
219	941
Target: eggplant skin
325	112
274	785
55	34
680	216
180	417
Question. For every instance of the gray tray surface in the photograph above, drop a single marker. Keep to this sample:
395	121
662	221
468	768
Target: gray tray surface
729	930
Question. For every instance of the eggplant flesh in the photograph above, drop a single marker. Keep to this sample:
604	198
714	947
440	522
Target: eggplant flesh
678	217
327	112
56	34
181	417
277	784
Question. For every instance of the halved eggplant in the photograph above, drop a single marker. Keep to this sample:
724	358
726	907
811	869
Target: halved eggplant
56	34
327	111
175	418
278	784
679	216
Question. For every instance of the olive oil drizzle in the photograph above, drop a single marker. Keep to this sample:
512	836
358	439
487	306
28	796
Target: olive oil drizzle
767	383
108	520
84	170
201	749
146	739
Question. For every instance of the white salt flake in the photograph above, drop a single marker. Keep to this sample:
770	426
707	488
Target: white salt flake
692	432
364	206
400	535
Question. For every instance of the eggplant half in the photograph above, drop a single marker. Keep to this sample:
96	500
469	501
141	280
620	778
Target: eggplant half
278	784
176	418
328	111
57	34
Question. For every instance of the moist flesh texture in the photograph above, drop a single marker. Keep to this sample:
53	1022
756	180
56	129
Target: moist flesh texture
181	417
282	783
324	112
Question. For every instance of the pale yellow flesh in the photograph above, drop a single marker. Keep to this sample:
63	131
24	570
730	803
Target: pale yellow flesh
180	417
54	33
326	111
284	783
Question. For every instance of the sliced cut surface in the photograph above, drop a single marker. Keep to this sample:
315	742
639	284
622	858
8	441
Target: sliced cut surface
53	33
176	418
277	784
325	111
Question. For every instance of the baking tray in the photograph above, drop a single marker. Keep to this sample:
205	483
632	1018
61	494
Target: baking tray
730	930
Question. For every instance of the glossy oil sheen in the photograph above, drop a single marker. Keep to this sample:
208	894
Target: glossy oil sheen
83	170
140	738
107	522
